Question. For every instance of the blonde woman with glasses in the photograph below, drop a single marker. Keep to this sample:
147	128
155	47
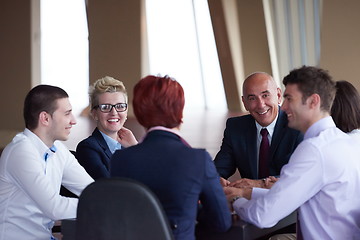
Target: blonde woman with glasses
109	107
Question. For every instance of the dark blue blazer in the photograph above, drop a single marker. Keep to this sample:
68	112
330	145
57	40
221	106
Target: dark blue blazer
94	155
239	147
180	176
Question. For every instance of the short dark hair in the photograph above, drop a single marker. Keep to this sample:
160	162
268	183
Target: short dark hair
311	80
346	107
158	101
41	98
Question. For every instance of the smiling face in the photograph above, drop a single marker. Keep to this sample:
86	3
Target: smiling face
261	98
110	123
300	114
62	121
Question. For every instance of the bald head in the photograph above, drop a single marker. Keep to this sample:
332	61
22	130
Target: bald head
261	97
256	78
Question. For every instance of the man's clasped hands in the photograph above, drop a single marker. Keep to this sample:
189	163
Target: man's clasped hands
243	187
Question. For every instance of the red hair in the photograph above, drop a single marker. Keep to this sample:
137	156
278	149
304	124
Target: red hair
158	101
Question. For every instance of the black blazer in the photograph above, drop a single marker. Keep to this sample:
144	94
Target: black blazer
180	176
238	149
94	155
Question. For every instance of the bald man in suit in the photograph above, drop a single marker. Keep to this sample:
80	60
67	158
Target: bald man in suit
241	143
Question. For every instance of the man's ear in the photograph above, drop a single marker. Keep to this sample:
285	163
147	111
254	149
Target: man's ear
314	100
244	102
44	118
278	94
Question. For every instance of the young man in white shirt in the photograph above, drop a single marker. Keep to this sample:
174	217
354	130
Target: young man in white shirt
322	177
34	166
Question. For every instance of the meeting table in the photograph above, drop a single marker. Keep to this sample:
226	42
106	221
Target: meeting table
240	230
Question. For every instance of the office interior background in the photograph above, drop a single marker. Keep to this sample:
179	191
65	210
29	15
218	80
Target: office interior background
218	42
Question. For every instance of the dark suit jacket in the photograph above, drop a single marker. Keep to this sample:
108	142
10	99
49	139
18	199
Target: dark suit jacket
94	155
238	149
180	176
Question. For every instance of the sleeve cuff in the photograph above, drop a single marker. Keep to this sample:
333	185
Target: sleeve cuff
258	192
239	202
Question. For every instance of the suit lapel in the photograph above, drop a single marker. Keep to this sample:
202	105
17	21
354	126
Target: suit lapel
251	142
100	139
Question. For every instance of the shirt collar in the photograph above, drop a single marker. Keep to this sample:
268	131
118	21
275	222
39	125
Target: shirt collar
40	146
270	128
49	152
176	132
172	130
111	143
319	126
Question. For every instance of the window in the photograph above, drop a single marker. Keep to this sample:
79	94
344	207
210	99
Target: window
180	39
181	44
64	48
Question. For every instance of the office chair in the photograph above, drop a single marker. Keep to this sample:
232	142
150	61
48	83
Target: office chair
119	208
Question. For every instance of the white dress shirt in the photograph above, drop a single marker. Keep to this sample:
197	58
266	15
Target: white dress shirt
322	179
355	133
270	128
29	187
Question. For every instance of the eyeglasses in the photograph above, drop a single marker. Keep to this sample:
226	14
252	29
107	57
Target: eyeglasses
106	108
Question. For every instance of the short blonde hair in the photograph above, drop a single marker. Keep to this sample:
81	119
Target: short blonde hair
104	85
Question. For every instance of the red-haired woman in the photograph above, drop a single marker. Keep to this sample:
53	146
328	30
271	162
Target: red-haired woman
179	175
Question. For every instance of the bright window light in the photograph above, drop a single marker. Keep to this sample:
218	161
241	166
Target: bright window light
64	48
181	45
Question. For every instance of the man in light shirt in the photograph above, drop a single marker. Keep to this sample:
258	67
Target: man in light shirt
34	166
322	178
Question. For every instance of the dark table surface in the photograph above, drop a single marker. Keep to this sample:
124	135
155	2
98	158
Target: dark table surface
240	230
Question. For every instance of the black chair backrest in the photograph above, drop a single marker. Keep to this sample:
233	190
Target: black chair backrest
119	208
